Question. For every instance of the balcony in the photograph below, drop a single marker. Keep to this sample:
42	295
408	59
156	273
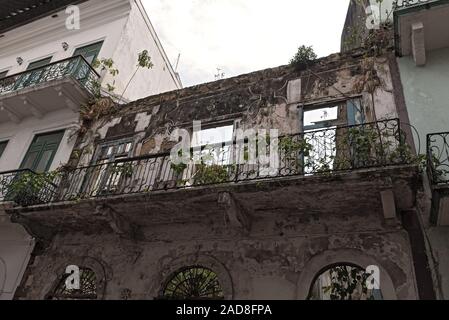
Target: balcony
438	173
420	26
326	171
404	4
67	83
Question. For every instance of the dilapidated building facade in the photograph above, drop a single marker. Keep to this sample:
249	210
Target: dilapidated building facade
342	193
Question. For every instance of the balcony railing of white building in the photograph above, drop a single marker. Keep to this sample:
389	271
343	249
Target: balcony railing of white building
75	67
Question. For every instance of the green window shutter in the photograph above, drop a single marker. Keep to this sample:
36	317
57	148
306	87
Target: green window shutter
90	52
3	147
42	152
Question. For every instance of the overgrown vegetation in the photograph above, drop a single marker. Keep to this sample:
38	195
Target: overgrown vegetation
303	57
101	106
347	283
29	188
211	174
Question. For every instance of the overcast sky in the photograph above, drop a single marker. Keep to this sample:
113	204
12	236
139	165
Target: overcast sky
241	36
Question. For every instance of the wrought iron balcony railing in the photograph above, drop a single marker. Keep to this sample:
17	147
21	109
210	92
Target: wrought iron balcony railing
26	187
76	67
438	158
315	152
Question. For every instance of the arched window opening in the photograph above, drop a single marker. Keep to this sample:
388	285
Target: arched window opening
193	283
87	289
344	282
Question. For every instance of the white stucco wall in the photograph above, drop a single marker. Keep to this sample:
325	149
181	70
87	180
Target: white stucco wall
139	35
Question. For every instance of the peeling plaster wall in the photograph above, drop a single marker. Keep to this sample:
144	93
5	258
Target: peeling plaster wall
262	265
257	100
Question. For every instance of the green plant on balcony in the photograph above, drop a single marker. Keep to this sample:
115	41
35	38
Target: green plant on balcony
211	174
178	169
366	145
296	152
123	170
26	188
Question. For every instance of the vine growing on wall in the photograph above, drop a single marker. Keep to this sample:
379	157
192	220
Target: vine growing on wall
102	106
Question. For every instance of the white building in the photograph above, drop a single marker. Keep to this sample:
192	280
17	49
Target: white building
45	77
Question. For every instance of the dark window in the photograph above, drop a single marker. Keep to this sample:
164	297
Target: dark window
90	52
108	174
219	141
39	64
3	74
87	287
193	283
42	151
111	151
3	147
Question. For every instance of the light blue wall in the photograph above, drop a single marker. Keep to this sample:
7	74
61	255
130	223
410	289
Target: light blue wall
426	91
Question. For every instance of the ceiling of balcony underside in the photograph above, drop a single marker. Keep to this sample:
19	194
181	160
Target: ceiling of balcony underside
436	26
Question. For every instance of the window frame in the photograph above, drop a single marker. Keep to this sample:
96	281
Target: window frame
3	145
99	43
42	150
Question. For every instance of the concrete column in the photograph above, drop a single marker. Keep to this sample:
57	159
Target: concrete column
16	246
418	44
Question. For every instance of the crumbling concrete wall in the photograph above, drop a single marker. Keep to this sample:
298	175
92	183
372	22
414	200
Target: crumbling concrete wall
264	99
270	262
